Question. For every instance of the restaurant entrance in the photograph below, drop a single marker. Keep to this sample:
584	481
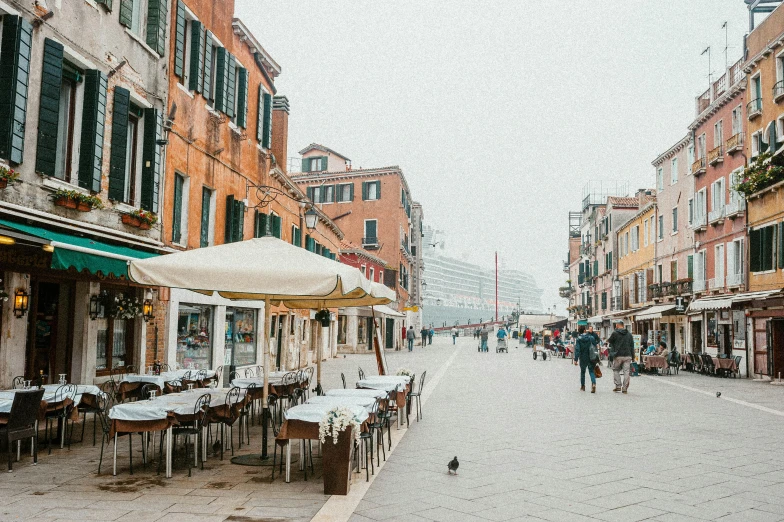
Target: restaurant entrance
776	347
390	333
696	336
50	330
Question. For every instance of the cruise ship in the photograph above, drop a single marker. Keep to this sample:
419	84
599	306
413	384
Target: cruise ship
459	292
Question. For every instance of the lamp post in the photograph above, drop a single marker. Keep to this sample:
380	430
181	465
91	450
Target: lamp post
311	219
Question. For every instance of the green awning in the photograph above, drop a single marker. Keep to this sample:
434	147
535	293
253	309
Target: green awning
81	253
582	322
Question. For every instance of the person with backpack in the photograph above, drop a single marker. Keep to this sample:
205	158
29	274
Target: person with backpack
586	355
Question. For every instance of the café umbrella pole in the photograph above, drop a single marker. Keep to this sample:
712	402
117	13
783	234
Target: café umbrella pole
265	388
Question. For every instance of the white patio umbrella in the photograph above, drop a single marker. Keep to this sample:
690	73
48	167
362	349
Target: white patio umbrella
263	268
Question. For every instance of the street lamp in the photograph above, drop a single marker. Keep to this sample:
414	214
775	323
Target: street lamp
311	219
21	302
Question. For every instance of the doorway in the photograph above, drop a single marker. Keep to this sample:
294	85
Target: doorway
776	347
49	331
371	330
279	338
696	337
390	333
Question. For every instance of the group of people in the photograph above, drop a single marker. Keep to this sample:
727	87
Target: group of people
621	355
409	335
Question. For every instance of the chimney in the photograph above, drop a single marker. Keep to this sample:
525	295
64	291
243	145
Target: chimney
280	131
642	196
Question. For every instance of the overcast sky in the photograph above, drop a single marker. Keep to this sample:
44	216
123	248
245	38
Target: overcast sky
499	111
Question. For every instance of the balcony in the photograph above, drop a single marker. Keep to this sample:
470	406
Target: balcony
716	155
404	248
734	143
754	108
700	222
735	208
698	285
655	290
778	91
370	243
698	167
681	286
735	280
717	283
716	216
565	291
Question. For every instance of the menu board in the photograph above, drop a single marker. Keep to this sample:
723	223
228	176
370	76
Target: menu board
637	344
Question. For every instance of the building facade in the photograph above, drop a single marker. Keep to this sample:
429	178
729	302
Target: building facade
636	254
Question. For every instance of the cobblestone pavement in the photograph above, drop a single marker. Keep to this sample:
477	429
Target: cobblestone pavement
65	485
534	447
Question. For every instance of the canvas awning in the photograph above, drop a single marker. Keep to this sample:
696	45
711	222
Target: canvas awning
596	319
710	303
751	296
385	310
82	253
656	312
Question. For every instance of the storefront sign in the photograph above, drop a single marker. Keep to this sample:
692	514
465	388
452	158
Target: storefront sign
680	304
25	258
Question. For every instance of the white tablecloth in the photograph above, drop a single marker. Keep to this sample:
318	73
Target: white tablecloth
177	403
315	412
355	392
7	396
245	382
181	373
402	379
333	400
385	385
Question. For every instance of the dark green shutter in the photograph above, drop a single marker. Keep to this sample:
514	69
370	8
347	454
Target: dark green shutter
239	220
195	78
48	114
156	26
221	78
207	85
126	13
305	164
179	40
229	227
754	250
231	86
151	159
119	150
309	192
324	163
298	241
242	97
309	243
177	209
766	251
781	245
260	116
206	199
106	3
14	76
364	191
262	225
266	138
276	226
293	235
93	117
378	189
351	192
596	267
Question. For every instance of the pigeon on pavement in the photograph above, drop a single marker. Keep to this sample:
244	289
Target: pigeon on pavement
718	394
453	465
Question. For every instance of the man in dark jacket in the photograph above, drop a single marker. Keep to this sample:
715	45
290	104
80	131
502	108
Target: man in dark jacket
622	351
582	354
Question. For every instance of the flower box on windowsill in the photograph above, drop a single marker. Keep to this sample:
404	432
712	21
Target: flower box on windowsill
134	221
65	202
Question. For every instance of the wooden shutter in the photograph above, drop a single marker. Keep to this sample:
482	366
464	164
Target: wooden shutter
755	250
177	209
195	77
767	240
299	238
351	192
596	267
306	165
221	78
48	114
730	260
156	25
364	191
324	163
262	224
206	198
239	220
179	39
119	150
276	225
126	13
106	3
309	191
378	189
781	246
207	84
293	235
242	97
266	138
14	74
151	160
229	225
93	118
260	116
231	85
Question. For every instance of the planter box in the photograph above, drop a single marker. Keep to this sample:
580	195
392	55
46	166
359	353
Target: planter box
83	207
337	463
65	202
3	183
128	219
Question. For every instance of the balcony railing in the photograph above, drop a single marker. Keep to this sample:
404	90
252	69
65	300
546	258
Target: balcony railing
734	280
698	285
717	283
715	155
754	108
699	221
370	242
734	143
698	167
778	91
734	208
716	215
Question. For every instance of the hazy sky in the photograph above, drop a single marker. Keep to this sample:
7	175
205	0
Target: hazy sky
499	111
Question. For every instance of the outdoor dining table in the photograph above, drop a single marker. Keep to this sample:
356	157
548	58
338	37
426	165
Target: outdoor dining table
725	363
366	402
400	384
356	392
131	382
302	423
655	361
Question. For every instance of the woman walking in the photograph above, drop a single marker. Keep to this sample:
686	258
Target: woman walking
582	353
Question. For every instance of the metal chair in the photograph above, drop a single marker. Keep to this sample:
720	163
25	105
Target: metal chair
173	386
130	369
250	373
147	389
106	388
416	396
165	367
707	364
22	423
366	439
18	382
194	428
227	417
63	402
218	376
248	410
673	361
343	378
736	372
361	373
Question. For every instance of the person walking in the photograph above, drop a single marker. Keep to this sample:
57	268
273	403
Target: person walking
410	337
484	333
423	333
582	356
622	353
405	331
528	337
430	334
454	335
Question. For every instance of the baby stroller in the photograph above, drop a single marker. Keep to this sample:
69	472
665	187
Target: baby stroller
501	346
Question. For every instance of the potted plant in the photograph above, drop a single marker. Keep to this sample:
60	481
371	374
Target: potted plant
7	175
766	170
125	307
130	220
337	431
140	219
66	198
87	203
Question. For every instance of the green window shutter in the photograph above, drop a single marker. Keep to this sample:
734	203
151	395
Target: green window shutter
256	222
93	118
14	75
308	243
195	78
299	238
231	86
766	250
781	246
351	192
48	114
293	235
179	39
276	226
324	163
266	138
106	3
260	116
126	13
221	78
151	160
177	209
208	65
305	164
119	150
690	267
263	225
231	208
332	196
596	267
309	193
242	97
754	250
206	197
364	191
156	25
239	220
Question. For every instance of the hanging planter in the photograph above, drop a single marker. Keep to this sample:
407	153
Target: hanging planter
140	219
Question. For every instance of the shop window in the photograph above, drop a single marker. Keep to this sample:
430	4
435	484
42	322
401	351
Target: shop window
114	346
240	336
361	330
194	336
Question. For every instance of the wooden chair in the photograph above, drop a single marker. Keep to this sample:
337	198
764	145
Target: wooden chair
23	423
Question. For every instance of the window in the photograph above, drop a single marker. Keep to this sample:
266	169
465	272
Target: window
673	171
762	245
235	221
700	202
652	229
314	164
371	237
737	123
718	133
65	125
131	155
115	341
689	157
372	274
296	236
660	179
371	190
136	16
757	145
701	146
756	90
674	270
675	220
635	238
147	19
661	227
645	232
328	193
194	336
240	337
717	194
718	265
691	211
626	243
659	273
345	192
207	232
180	210
735	262
315	194
275	225
264	120
363	269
